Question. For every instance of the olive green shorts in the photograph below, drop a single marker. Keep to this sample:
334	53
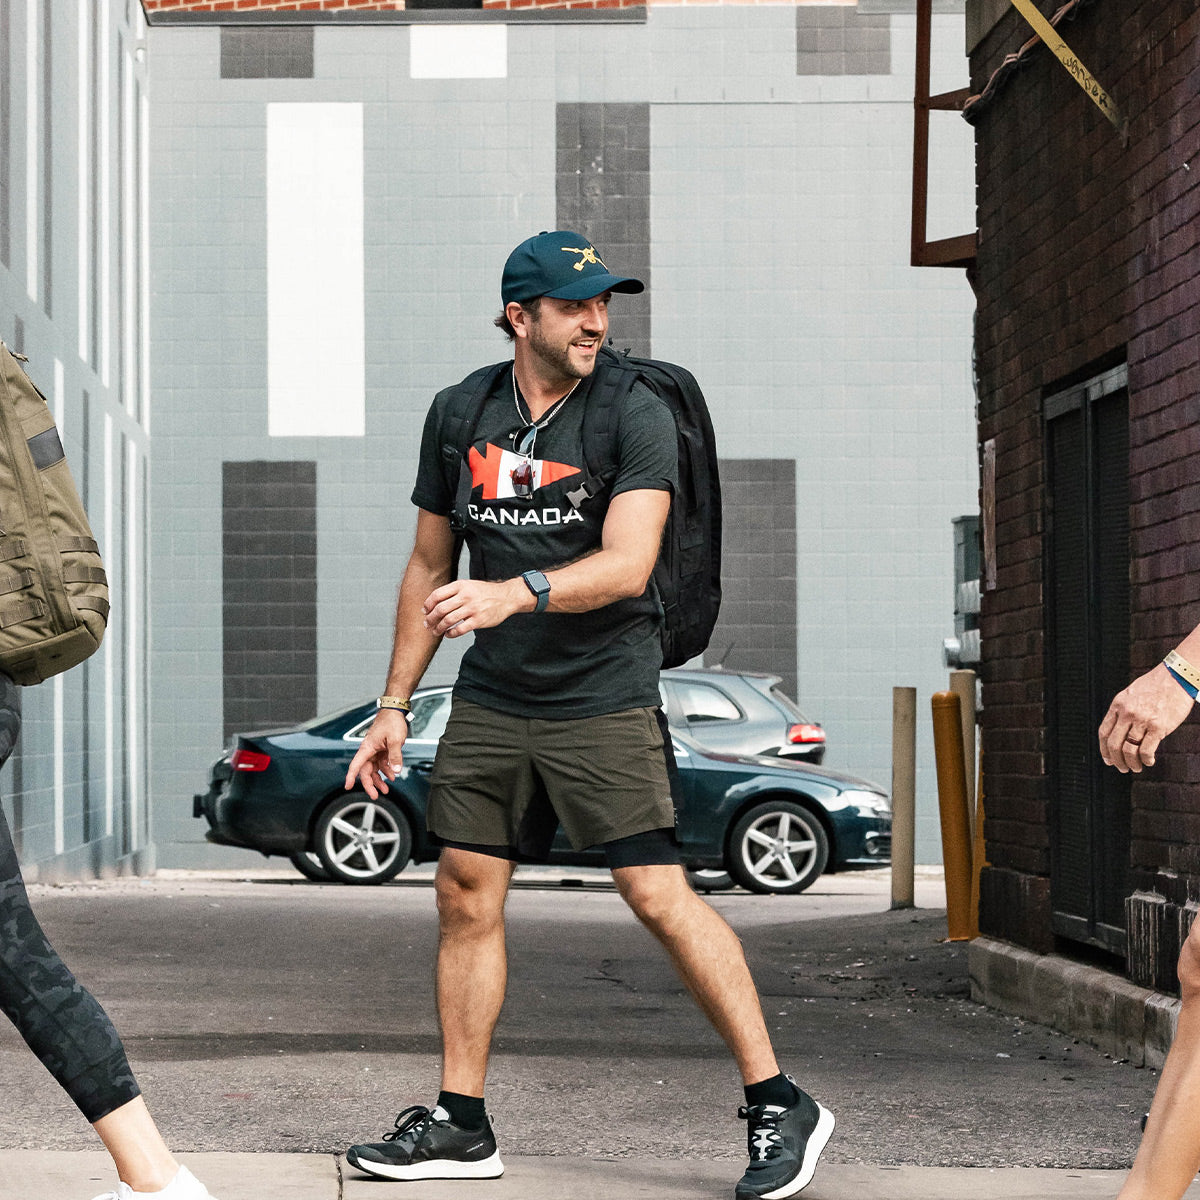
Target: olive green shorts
503	781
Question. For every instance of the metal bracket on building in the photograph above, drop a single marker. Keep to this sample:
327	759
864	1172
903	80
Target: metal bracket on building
946	252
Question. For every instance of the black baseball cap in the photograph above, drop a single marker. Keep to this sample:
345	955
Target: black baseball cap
560	264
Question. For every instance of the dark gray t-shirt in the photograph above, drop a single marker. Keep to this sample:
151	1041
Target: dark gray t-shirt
553	665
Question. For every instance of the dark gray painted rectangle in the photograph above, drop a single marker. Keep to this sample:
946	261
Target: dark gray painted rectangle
602	187
757	627
269	593
838	40
267	53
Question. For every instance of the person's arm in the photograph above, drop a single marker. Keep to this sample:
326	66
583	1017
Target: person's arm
621	568
1150	708
430	566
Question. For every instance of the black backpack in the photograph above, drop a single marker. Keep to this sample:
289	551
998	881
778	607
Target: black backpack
687	576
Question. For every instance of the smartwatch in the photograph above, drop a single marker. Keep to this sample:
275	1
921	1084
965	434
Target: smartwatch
539	585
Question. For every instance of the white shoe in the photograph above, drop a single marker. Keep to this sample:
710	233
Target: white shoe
185	1186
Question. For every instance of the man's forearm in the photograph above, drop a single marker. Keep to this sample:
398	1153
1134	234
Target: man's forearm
595	581
413	645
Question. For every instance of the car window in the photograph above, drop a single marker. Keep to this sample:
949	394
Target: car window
429	717
701	703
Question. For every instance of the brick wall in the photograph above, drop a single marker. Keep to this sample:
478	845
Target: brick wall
1088	254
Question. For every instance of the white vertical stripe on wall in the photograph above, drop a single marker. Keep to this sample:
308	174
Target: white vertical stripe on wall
83	75
109	663
133	750
32	144
104	297
458	51
60	786
315	324
129	241
144	236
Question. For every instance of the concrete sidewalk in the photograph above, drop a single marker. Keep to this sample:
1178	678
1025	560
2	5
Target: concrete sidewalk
79	1175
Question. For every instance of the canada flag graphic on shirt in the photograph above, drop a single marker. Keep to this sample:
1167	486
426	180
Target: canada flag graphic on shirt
494	471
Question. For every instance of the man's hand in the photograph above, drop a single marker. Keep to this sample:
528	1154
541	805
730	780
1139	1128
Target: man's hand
469	604
380	756
1151	707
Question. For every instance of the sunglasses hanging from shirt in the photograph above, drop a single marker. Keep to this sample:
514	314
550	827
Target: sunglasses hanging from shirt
523	475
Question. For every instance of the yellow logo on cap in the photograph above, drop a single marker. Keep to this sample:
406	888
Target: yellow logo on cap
589	256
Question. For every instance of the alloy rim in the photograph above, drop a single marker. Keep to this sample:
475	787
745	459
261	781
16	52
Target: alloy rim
363	840
779	849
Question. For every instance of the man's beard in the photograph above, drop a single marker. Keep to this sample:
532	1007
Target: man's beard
558	357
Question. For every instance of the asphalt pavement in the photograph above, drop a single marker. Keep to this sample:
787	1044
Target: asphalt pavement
272	1022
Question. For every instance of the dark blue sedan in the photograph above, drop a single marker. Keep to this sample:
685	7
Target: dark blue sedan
772	823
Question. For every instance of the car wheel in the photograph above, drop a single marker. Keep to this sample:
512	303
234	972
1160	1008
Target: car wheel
309	865
778	847
360	840
711	881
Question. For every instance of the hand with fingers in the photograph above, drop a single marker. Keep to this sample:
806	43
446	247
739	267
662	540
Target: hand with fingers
1138	719
469	604
380	756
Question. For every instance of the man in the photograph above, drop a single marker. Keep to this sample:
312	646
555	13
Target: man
1151	707
555	713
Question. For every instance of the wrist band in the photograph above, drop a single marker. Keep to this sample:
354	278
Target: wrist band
1191	689
400	702
1183	670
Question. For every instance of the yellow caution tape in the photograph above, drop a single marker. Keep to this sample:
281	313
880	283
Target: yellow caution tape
1070	60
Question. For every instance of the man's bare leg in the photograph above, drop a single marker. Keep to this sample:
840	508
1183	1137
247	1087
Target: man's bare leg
708	956
1169	1156
472	965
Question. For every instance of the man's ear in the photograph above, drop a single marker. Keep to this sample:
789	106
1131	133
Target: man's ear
518	318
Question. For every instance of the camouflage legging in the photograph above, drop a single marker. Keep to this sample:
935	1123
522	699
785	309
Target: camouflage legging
62	1022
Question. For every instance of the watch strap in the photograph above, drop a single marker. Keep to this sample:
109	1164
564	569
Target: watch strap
539	585
400	702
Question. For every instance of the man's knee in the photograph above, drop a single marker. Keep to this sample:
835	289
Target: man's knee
655	893
1189	965
469	894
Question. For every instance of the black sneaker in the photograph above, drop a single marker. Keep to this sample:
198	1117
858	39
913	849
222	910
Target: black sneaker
426	1144
784	1145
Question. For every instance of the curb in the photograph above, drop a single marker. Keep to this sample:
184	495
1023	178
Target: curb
1100	1008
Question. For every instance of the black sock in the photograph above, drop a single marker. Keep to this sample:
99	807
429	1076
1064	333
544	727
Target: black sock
779	1089
466	1112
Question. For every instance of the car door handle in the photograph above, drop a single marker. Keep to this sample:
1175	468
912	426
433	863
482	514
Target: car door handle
423	766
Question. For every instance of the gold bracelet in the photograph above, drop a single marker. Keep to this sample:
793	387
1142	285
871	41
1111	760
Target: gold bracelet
400	702
1180	665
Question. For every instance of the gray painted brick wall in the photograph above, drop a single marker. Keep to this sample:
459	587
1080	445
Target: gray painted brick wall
776	233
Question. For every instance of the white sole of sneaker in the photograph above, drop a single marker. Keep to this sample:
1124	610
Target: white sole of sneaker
812	1152
443	1168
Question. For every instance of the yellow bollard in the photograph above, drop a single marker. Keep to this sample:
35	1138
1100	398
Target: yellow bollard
952	805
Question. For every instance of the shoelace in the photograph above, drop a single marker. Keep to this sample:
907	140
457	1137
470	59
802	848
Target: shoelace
763	1139
415	1121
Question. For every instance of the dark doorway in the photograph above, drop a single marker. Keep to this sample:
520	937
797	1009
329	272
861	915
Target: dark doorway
1087	627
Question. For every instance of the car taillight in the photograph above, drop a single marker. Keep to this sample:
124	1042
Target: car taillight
249	760
801	735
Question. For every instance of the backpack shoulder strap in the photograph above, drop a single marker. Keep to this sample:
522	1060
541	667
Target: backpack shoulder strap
614	381
464	404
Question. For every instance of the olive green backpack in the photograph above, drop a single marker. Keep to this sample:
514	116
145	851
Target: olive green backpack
53	590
